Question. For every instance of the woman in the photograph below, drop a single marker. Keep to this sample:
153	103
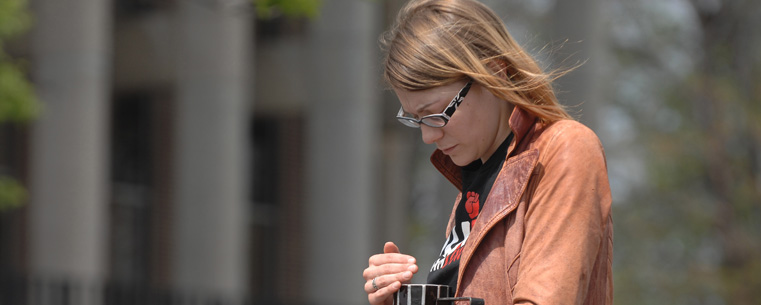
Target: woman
532	224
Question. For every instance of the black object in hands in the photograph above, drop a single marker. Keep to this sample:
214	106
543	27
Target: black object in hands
425	294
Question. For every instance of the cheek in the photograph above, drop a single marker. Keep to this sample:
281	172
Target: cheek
475	124
480	128
469	134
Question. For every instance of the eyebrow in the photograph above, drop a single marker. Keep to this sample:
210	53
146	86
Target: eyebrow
420	109
423	107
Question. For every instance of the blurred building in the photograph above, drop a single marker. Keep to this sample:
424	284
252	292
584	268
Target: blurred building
191	153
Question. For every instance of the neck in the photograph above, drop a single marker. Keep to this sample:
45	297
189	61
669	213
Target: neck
502	132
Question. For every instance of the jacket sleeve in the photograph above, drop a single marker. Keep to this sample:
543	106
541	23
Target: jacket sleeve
565	223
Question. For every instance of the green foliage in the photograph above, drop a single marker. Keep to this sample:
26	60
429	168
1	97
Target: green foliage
12	193
290	8
17	100
690	233
13	18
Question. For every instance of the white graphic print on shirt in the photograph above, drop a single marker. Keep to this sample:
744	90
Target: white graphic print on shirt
453	246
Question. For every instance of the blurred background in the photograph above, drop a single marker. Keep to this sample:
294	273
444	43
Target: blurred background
246	151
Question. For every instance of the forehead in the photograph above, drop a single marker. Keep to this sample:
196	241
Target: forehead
418	101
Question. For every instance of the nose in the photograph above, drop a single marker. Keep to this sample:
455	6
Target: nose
431	134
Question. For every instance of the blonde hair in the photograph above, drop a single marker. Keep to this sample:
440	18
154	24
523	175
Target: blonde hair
437	42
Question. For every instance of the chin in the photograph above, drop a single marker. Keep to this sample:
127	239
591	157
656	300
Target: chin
460	161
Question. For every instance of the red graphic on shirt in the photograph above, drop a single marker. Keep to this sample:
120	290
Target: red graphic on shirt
453	247
472	205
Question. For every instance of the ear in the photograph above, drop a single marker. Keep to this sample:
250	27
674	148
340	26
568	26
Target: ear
499	68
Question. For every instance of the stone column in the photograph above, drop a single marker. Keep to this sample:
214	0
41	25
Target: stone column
580	24
343	130
69	181
211	159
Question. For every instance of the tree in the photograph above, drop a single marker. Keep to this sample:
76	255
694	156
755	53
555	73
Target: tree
18	103
686	77
292	8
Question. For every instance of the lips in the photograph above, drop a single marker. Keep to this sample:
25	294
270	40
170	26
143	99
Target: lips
448	150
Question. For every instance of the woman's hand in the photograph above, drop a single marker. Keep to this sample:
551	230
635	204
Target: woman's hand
386	274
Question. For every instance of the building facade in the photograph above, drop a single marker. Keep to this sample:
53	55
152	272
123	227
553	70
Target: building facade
190	152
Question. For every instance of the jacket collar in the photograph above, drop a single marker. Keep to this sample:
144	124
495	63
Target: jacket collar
520	122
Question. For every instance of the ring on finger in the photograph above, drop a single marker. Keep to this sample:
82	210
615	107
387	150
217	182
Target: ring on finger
375	286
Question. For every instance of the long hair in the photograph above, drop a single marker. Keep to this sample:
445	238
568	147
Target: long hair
437	42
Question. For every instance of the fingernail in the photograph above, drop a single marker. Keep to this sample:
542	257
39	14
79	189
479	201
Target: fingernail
407	275
412	268
411	261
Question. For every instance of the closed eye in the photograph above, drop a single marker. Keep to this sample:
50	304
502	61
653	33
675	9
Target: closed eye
410	115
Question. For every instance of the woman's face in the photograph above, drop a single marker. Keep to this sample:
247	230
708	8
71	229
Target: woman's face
474	131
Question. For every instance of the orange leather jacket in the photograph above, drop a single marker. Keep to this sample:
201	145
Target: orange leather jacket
545	233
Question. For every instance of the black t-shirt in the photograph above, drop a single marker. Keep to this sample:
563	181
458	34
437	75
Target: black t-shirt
477	180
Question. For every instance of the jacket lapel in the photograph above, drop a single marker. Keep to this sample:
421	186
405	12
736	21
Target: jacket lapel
502	200
508	187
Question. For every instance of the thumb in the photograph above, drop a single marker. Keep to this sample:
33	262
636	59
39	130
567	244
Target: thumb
390	247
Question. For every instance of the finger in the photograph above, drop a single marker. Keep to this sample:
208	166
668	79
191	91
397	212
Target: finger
413	268
373	270
391	258
390	247
386	280
384	294
388	269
